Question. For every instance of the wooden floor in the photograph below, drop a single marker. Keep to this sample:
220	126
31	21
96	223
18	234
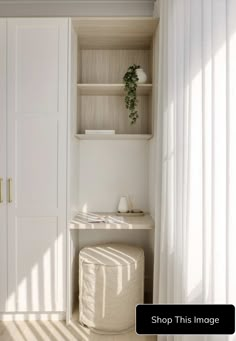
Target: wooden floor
58	331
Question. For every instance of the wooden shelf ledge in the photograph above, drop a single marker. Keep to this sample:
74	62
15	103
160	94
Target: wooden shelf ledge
111	89
112	222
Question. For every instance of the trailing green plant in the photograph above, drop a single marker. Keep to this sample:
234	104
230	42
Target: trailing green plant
130	79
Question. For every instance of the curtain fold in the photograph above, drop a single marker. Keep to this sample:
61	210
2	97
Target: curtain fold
195	242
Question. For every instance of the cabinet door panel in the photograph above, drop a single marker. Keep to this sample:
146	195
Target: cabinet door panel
36	263
37	123
36	70
3	226
36	182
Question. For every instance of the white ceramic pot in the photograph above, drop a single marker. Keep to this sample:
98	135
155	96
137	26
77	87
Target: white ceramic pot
123	206
142	77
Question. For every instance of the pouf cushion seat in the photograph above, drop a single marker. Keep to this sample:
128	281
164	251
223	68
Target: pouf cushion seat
111	284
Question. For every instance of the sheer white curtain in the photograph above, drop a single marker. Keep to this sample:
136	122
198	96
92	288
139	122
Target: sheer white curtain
196	190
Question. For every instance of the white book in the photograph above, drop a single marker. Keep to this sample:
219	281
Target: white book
99	131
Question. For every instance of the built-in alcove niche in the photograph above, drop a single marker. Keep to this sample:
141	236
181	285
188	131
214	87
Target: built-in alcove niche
104	167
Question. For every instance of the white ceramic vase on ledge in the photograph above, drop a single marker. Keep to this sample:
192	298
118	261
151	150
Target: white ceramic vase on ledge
123	206
142	77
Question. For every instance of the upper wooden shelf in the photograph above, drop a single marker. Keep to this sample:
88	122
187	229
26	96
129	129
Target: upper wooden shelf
112	222
111	89
113	136
115	32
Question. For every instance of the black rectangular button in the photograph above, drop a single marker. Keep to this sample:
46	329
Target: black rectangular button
185	319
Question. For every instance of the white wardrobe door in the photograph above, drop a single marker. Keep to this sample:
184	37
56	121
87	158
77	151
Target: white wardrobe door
37	123
3	225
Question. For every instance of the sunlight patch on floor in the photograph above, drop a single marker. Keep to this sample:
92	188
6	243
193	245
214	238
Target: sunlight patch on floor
58	331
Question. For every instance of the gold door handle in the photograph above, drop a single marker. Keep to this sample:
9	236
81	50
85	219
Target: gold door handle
1	197
9	190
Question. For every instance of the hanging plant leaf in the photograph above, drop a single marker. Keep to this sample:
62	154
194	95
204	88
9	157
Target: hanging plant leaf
130	79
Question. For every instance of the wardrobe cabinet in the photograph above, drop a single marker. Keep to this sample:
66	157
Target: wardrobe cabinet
33	156
3	223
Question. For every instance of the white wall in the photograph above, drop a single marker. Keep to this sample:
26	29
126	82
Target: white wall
72	181
112	169
152	176
153	141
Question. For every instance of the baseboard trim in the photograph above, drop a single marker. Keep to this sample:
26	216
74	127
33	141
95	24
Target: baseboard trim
31	316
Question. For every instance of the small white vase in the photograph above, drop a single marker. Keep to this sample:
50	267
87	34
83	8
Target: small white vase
142	77
123	206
